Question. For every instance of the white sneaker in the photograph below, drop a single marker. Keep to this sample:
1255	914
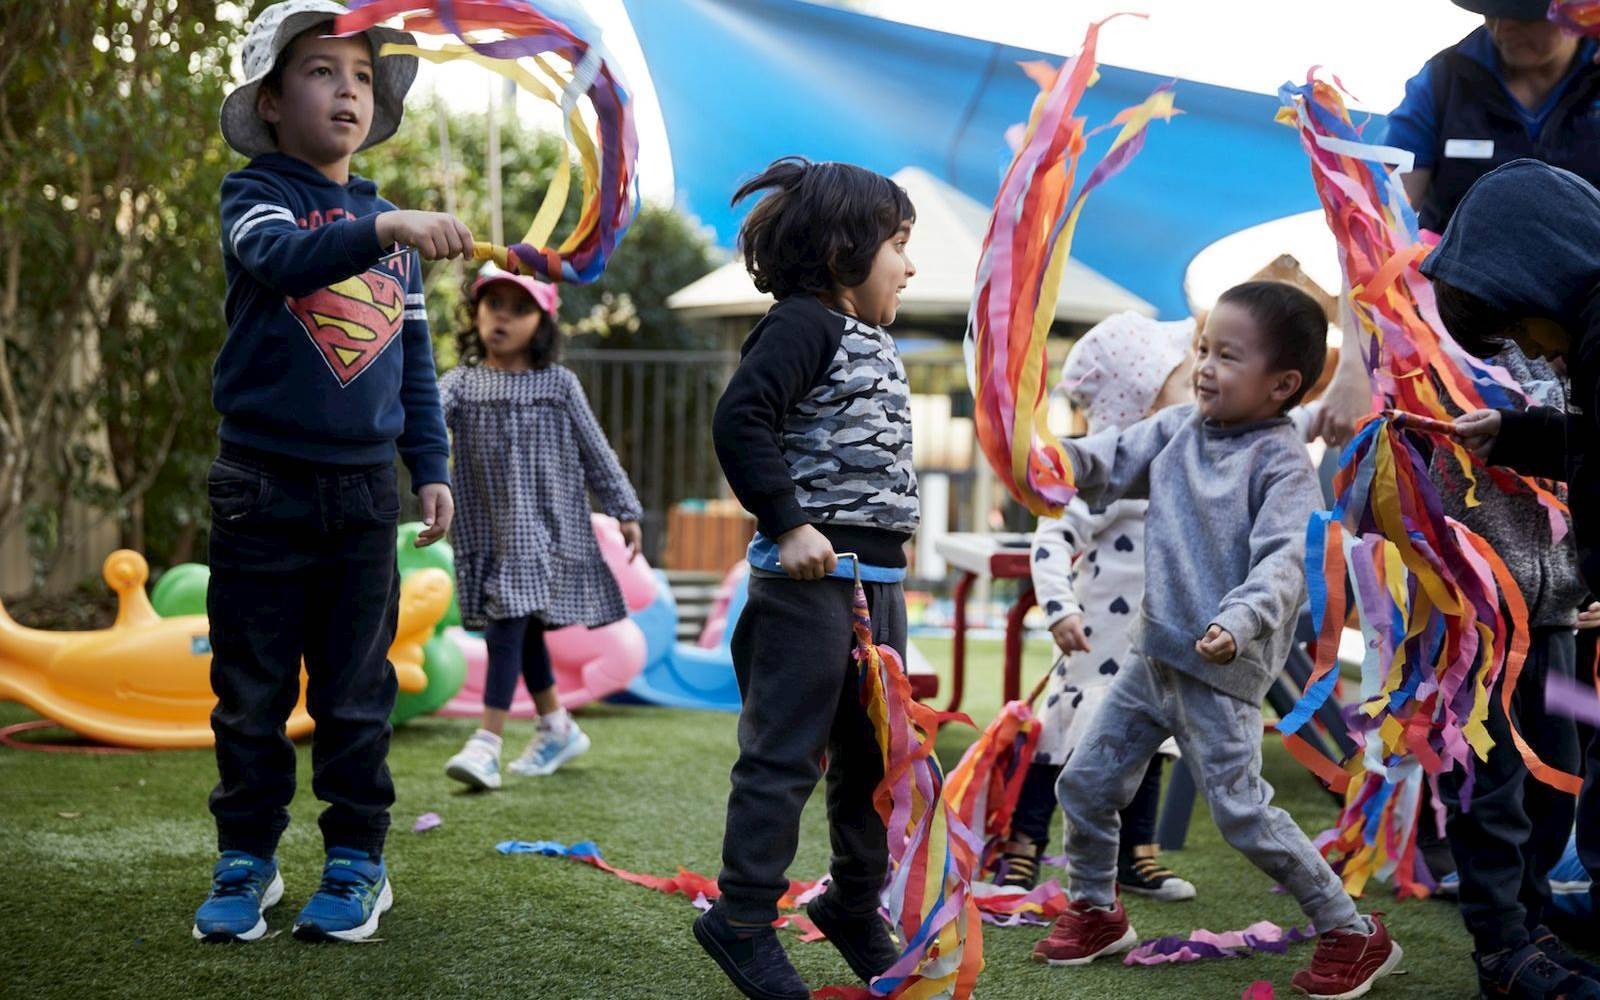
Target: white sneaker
477	765
549	750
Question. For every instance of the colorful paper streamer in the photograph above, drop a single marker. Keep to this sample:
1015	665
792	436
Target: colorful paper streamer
1442	617
1565	696
1262	936
498	35
1018	281
427	821
1581	17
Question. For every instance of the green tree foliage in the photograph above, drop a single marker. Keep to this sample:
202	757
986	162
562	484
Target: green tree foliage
111	278
109	166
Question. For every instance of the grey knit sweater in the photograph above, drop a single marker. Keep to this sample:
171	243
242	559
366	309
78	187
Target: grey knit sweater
1224	537
1513	522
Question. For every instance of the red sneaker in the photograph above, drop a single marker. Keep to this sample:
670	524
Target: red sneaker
1084	933
1346	964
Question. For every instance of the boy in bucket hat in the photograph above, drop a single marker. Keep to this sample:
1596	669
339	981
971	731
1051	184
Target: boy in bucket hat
326	372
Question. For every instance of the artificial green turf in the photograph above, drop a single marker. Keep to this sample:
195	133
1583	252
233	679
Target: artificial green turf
98	903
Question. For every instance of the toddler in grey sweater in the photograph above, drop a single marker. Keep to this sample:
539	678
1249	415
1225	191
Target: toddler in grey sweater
1230	488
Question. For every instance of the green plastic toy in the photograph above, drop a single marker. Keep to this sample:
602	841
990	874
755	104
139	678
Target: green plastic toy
181	590
439	555
446	667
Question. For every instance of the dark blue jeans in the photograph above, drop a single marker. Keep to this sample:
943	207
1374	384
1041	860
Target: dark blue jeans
1589	800
302	567
1517	826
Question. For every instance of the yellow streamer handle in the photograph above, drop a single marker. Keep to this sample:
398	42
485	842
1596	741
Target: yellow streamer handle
491	251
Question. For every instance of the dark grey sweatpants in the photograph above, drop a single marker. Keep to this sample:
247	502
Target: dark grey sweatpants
792	654
1220	737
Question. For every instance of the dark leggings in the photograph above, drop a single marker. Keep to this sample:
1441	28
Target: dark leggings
516	645
1037	806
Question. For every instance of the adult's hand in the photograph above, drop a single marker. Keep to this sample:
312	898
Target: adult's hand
1348	398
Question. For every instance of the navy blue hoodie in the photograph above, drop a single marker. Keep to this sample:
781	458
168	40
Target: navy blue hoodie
1526	240
328	357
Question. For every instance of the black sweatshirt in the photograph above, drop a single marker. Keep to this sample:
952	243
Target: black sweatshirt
1526	240
815	428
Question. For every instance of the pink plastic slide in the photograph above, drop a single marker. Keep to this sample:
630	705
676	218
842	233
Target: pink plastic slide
588	663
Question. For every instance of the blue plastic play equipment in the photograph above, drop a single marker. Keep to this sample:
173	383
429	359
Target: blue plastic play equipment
683	675
658	622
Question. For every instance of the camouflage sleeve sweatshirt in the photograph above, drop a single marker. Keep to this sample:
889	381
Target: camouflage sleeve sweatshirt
815	428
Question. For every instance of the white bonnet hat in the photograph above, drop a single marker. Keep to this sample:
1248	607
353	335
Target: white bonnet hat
1116	370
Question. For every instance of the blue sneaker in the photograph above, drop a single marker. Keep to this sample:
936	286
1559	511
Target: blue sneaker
1449	886
353	895
550	749
243	887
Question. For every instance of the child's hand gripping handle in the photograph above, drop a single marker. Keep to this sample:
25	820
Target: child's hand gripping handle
1403	420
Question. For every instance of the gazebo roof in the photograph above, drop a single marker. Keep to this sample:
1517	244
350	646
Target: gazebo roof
945	244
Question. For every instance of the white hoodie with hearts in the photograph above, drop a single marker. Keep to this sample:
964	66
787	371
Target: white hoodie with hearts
1092	563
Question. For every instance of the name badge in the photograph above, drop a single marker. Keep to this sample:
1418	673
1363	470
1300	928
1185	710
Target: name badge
1469	149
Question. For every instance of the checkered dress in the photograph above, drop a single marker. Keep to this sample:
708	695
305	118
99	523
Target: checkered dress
526	451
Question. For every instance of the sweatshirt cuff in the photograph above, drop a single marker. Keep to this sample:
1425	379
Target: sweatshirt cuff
1241	622
1519	437
626	511
361	244
778	513
428	467
1056	609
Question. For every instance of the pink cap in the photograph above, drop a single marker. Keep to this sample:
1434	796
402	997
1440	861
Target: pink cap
545	295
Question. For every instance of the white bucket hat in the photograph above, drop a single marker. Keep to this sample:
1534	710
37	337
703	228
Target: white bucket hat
271	33
1115	371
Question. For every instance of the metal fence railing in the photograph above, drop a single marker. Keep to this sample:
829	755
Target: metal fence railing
656	407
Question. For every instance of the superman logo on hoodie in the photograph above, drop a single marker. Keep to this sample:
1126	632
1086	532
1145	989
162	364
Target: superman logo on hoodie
352	322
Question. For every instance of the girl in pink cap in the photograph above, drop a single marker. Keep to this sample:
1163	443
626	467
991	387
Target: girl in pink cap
1088	576
526	450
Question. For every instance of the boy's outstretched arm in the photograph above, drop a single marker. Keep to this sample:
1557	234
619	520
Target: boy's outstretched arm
260	231
1115	464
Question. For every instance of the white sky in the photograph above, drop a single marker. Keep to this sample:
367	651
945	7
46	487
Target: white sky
1373	46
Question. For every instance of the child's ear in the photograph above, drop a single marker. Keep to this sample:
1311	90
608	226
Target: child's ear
1285	384
267	106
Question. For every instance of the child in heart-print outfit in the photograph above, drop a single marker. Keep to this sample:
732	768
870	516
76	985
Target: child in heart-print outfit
1088	577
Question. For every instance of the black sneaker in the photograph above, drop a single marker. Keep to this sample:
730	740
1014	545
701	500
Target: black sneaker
756	964
1528	974
862	938
1139	873
1017	864
1556	951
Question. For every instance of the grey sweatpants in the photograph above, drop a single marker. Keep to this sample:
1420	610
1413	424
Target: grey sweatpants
1220	737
